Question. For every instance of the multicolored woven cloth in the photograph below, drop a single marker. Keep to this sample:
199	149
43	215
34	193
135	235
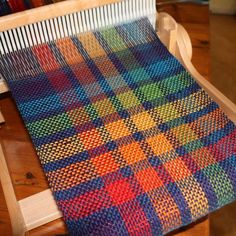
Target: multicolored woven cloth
129	142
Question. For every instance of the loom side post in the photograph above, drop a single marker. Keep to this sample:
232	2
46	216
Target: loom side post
17	221
167	31
168	34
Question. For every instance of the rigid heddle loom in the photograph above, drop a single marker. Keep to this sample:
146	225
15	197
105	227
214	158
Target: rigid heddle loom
132	140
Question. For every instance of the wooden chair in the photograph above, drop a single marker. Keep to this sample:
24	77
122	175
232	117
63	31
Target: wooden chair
41	208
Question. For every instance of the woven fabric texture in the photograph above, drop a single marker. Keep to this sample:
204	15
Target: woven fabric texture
129	142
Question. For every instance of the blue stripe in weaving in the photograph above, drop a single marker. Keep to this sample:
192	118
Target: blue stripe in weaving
229	166
176	194
78	190
150	213
58	164
34	88
110	223
208	189
197	114
215	136
193	88
36	107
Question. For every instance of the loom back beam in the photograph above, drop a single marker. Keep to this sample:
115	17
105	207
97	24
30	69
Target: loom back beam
63	19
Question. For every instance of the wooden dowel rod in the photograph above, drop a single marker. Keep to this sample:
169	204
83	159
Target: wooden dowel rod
17	221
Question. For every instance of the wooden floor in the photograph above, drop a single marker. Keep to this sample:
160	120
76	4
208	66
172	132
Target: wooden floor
24	166
223	54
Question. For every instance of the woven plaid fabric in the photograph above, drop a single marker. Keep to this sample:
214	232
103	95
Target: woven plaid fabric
129	142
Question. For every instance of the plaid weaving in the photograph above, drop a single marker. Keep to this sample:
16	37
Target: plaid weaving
129	142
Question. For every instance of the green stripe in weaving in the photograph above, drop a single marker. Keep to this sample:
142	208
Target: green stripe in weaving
176	83
111	34
49	126
221	184
128	99
151	91
194	145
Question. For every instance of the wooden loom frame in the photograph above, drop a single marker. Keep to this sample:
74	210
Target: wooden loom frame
41	208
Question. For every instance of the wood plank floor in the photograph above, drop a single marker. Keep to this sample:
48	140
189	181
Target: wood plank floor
223	54
24	166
